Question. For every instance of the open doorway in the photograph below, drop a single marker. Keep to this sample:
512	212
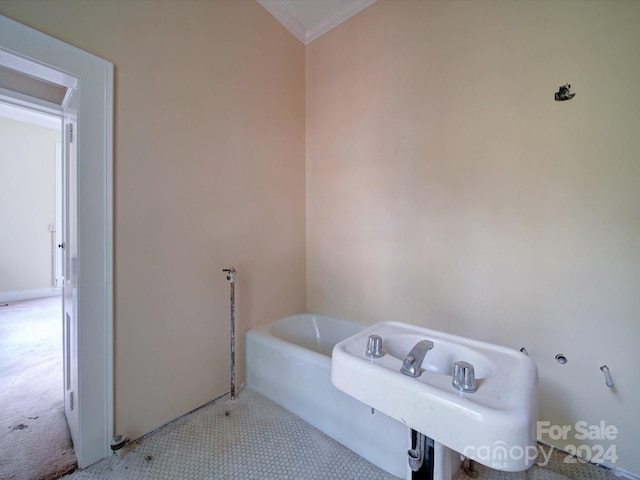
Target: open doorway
88	319
30	203
36	442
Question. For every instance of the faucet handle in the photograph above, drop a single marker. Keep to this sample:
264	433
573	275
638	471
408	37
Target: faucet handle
464	377
409	366
374	346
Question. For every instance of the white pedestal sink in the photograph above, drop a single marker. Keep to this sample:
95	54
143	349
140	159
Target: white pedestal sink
495	425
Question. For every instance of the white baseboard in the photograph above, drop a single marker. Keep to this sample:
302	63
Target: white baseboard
29	294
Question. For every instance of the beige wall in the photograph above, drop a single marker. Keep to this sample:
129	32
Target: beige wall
209	173
27	207
447	188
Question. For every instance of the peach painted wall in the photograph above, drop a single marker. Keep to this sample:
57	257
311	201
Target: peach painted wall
209	173
447	188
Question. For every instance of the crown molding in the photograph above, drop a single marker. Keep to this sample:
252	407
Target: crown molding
308	34
285	17
336	17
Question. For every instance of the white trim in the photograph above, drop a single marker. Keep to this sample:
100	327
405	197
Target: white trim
28	115
41	55
335	18
307	34
18	295
67	97
285	17
108	201
21	100
15	61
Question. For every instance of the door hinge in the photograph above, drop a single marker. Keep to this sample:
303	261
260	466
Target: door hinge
71	400
70	132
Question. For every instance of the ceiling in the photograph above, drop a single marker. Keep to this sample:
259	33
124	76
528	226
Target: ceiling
308	19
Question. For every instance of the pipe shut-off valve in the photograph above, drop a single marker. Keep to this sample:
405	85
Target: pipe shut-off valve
231	274
117	447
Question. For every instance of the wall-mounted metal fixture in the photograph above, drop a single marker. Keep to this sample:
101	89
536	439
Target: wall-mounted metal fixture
231	277
561	359
607	376
564	93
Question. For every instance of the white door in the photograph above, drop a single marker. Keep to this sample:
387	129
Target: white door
69	247
58	280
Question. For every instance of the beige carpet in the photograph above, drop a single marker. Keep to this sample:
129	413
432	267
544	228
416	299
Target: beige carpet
34	442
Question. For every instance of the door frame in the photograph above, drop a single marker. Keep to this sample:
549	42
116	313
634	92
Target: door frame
34	53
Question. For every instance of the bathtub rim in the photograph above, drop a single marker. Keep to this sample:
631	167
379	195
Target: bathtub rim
265	333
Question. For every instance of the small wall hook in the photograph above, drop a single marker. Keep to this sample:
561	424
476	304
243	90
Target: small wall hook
564	93
607	376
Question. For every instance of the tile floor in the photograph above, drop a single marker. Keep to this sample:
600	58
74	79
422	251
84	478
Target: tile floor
253	438
558	467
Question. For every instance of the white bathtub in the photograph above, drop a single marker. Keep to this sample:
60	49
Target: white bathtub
289	362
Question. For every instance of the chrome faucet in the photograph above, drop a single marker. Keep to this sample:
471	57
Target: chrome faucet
413	361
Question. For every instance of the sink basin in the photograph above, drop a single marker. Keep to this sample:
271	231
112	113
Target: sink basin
495	425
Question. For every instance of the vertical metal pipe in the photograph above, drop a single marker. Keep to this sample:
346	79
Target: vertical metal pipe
233	339
231	276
